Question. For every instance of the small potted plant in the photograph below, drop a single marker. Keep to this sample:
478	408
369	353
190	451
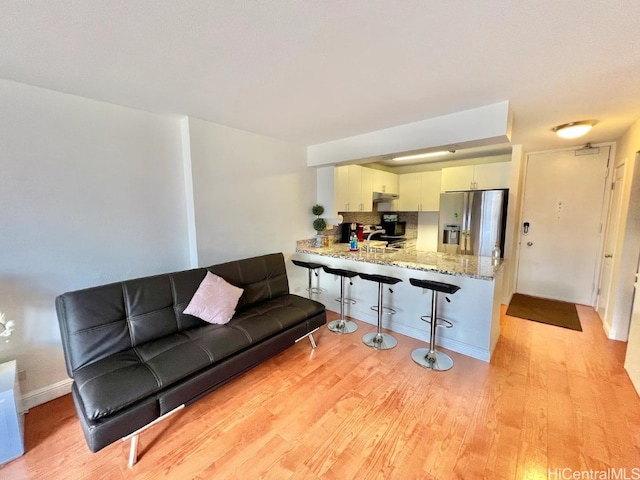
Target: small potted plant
319	224
6	327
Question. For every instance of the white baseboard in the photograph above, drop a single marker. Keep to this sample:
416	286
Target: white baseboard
422	334
46	394
449	343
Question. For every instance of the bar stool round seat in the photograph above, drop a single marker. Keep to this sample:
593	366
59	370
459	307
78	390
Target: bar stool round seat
378	339
342	325
432	285
429	357
312	267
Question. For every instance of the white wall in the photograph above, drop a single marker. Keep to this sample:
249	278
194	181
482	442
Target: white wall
89	193
512	231
629	241
252	194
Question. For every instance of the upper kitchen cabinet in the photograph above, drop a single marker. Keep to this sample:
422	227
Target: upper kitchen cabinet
476	177
492	175
385	182
353	188
419	192
366	188
341	188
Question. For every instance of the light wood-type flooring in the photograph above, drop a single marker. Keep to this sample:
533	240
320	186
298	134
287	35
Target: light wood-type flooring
551	400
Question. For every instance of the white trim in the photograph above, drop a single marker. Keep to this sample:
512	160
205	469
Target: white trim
441	341
603	210
192	236
46	394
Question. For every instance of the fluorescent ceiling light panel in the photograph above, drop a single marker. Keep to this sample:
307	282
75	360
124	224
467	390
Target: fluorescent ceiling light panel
421	155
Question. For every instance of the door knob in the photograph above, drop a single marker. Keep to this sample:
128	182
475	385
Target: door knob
608	255
529	244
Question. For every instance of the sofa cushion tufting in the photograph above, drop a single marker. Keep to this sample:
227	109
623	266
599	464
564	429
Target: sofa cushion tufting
135	355
115	382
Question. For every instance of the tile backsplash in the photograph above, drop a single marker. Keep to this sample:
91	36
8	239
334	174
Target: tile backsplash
373	218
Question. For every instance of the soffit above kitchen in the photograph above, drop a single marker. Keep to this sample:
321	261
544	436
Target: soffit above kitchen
456	157
476	127
315	72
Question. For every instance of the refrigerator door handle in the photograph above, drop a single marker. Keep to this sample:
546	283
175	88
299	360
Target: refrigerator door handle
466	223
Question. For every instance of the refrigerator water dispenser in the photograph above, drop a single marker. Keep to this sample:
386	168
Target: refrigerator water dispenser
451	234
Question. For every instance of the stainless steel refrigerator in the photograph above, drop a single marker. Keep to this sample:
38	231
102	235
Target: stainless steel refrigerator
471	223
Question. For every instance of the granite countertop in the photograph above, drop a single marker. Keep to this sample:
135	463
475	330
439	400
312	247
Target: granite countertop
482	268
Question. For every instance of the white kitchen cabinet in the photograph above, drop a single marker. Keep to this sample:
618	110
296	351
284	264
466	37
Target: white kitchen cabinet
457	178
419	192
431	191
410	197
353	188
385	182
476	177
341	188
492	175
366	189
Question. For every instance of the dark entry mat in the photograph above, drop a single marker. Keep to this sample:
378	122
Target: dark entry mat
544	310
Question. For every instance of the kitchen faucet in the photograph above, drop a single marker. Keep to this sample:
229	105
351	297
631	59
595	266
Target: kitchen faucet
372	232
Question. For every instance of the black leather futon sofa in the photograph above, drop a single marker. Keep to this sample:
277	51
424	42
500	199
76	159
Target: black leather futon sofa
135	356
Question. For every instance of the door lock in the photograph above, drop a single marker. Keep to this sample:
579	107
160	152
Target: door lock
529	244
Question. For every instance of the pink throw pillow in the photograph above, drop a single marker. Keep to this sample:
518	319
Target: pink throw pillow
215	301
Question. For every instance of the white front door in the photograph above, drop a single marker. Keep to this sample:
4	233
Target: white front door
560	233
610	243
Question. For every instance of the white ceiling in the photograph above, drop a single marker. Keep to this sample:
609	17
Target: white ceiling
318	70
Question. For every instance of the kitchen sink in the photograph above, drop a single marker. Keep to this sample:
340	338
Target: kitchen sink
382	250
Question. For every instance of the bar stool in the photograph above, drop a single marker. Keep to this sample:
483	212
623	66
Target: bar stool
342	325
312	267
379	340
429	357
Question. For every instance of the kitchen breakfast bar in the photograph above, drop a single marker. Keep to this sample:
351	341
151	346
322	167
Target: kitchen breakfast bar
474	310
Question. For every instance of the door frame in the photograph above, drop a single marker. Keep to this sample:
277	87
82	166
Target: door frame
611	213
603	211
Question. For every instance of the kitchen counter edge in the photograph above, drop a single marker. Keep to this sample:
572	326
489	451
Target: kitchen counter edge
481	268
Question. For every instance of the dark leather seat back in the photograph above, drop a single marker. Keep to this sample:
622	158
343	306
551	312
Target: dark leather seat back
108	319
262	278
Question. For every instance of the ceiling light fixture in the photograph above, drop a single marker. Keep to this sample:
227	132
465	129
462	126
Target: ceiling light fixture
424	155
574	129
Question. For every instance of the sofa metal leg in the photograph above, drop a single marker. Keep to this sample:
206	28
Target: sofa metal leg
310	336
133	450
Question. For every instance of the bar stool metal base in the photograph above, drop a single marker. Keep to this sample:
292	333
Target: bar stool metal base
429	357
438	361
379	341
347	301
311	268
342	326
385	310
